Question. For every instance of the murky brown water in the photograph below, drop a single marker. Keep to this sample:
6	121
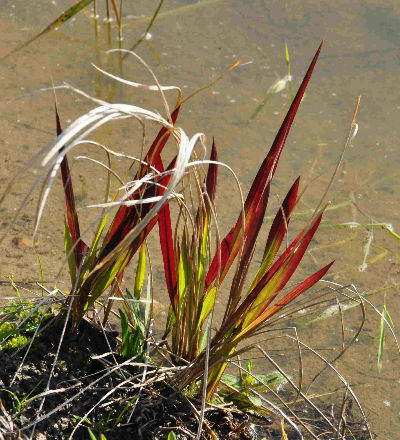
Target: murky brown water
191	44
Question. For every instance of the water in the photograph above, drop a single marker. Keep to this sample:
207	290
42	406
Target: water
192	43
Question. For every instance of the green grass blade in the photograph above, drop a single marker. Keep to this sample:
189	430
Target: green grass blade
287	58
207	306
105	280
126	336
171	436
150	25
119	418
140	272
385	316
89	263
135	312
183	271
394	234
170	321
91	435
41	272
149	301
65	16
203	250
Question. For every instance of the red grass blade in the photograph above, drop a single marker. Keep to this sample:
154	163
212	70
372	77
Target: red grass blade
279	226
278	275
286	264
231	244
271	161
298	290
262	317
212	174
132	216
167	247
72	215
251	235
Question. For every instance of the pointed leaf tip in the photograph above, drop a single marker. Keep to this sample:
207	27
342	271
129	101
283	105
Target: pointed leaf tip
212	174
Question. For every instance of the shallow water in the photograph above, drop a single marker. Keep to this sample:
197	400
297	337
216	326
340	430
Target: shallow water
191	44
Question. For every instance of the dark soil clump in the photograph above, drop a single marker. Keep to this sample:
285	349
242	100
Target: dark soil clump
79	382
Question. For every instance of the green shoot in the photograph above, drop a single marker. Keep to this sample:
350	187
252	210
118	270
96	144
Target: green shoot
65	16
121	414
149	26
19	404
278	86
383	323
239	388
15	288
91	434
287	59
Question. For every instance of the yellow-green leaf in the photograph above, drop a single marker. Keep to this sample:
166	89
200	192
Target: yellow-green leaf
105	280
203	249
95	243
65	16
183	270
171	436
207	306
384	318
287	58
140	271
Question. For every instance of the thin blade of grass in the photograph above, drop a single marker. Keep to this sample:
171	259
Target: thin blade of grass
302	287
150	25
72	215
116	12
280	273
183	270
273	281
385	317
140	272
212	174
251	233
230	246
207	307
167	249
65	16
69	251
278	231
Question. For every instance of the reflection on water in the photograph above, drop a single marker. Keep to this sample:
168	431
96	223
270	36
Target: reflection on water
191	44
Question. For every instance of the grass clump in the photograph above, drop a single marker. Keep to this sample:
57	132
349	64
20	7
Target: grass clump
137	384
194	277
